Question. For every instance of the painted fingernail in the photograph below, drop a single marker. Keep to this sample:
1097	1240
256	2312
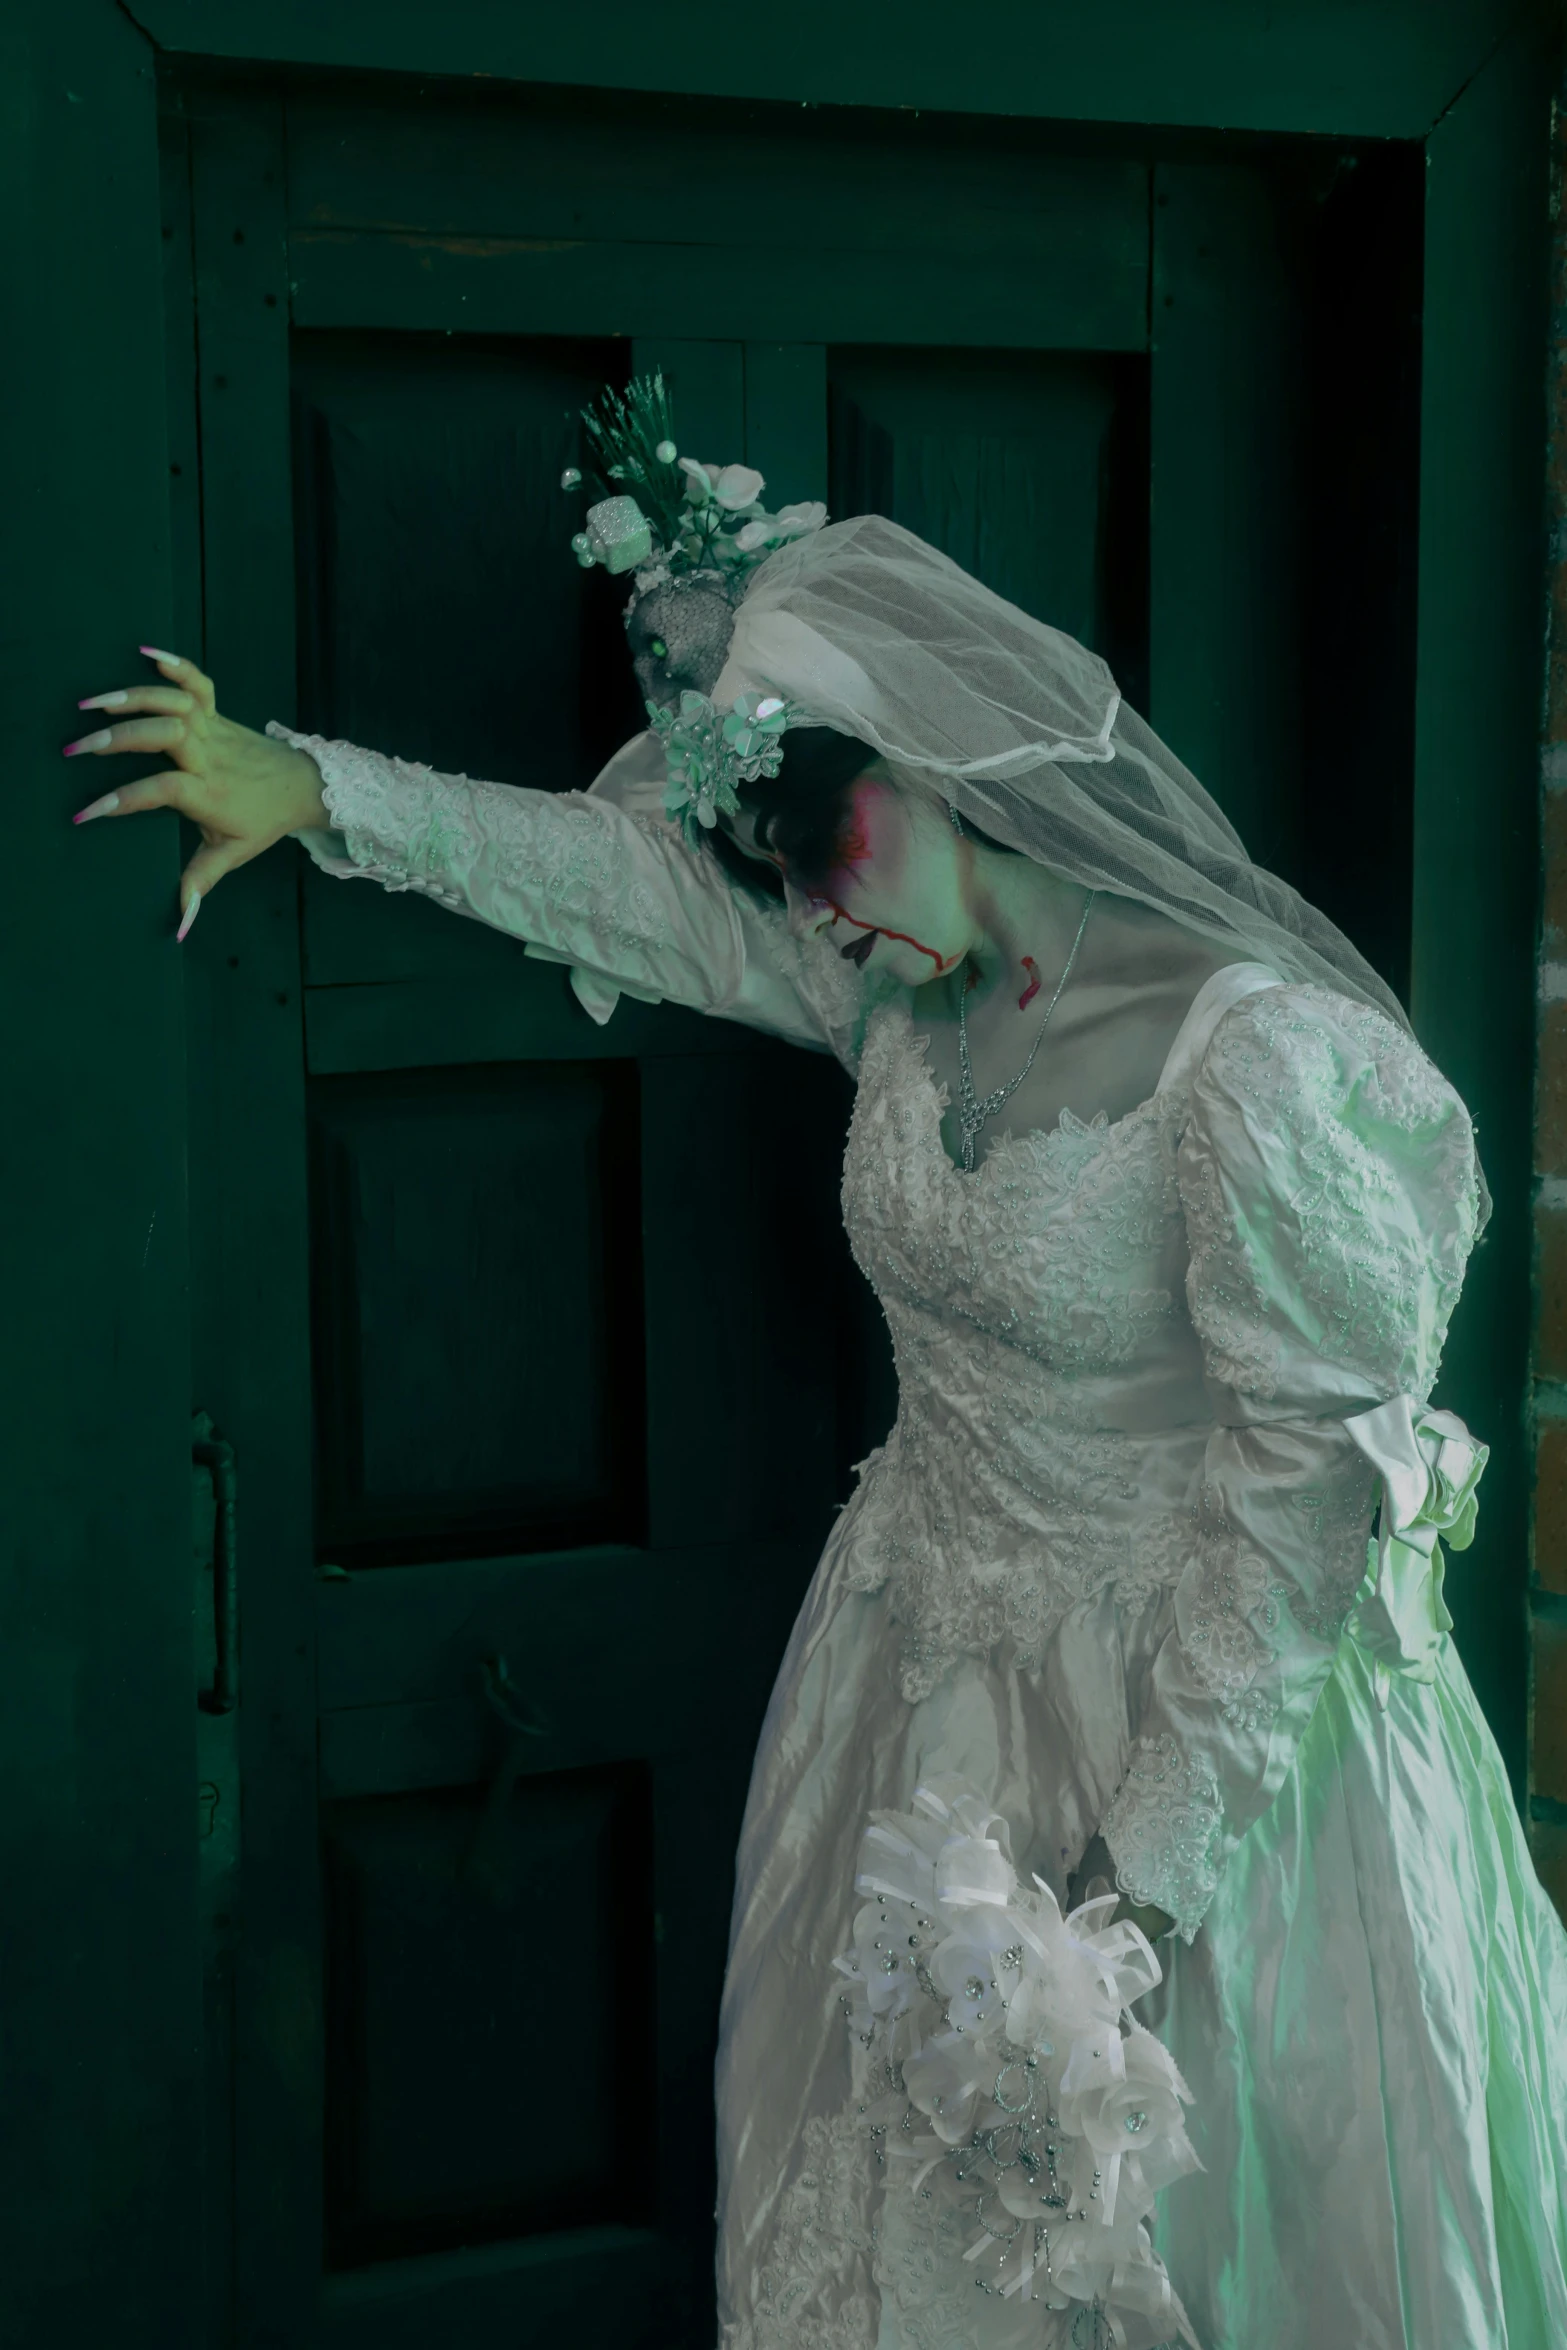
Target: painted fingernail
105	701
90	742
104	807
153	654
191	911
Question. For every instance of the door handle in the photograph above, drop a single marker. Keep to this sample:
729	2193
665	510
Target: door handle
211	1451
488	1862
505	1699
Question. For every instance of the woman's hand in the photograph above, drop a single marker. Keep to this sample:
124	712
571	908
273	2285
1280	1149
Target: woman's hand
1095	1873
241	789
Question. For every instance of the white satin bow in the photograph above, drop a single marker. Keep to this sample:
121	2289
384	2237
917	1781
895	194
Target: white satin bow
1429	1465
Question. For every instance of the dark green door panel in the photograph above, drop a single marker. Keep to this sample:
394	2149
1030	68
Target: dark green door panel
490	2014
478	1341
425	523
1030	468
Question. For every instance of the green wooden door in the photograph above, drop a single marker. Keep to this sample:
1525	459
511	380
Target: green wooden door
536	1342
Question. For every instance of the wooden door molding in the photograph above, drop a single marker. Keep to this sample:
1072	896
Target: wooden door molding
250	1257
1385	70
1226	533
98	1829
349	278
527	213
1478	703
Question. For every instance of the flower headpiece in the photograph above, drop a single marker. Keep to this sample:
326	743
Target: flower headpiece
708	757
666	518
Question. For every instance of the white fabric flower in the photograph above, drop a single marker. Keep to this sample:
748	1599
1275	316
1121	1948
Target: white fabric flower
883	1960
736	486
967	1968
1126	2097
798	521
776	530
944	2079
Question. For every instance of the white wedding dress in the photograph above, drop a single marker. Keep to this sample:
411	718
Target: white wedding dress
1105	1568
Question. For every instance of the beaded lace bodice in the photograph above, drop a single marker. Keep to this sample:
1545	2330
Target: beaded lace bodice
1030	1304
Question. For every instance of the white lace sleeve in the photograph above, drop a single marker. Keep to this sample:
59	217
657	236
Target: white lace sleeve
1332	1198
617	896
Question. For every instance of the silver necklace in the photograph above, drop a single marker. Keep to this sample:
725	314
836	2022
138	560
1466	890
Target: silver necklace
974	1113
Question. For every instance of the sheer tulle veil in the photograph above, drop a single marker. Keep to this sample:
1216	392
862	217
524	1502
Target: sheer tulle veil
1023	730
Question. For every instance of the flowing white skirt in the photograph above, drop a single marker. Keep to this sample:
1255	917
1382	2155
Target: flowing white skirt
1372	2020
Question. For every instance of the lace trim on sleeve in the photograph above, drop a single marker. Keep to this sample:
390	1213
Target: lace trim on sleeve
1234	1612
385	809
1163	1827
1227	1616
411	828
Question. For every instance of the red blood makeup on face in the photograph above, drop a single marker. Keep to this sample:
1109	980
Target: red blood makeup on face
881	930
853	843
873	833
870	862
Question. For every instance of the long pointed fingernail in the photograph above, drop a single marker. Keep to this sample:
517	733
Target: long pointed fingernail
104	701
153	654
90	742
104	807
191	911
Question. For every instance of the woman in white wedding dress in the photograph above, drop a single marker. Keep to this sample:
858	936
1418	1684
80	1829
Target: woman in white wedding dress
1168	1214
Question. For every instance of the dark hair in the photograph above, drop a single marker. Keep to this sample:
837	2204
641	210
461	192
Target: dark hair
801	813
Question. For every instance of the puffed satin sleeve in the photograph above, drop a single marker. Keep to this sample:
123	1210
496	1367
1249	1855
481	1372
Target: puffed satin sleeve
1332	1197
584	881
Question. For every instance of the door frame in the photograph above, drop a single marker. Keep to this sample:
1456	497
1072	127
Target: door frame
100	2168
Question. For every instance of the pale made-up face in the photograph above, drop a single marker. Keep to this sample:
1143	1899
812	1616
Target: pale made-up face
896	901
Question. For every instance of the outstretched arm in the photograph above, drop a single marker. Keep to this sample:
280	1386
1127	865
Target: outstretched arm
617	896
